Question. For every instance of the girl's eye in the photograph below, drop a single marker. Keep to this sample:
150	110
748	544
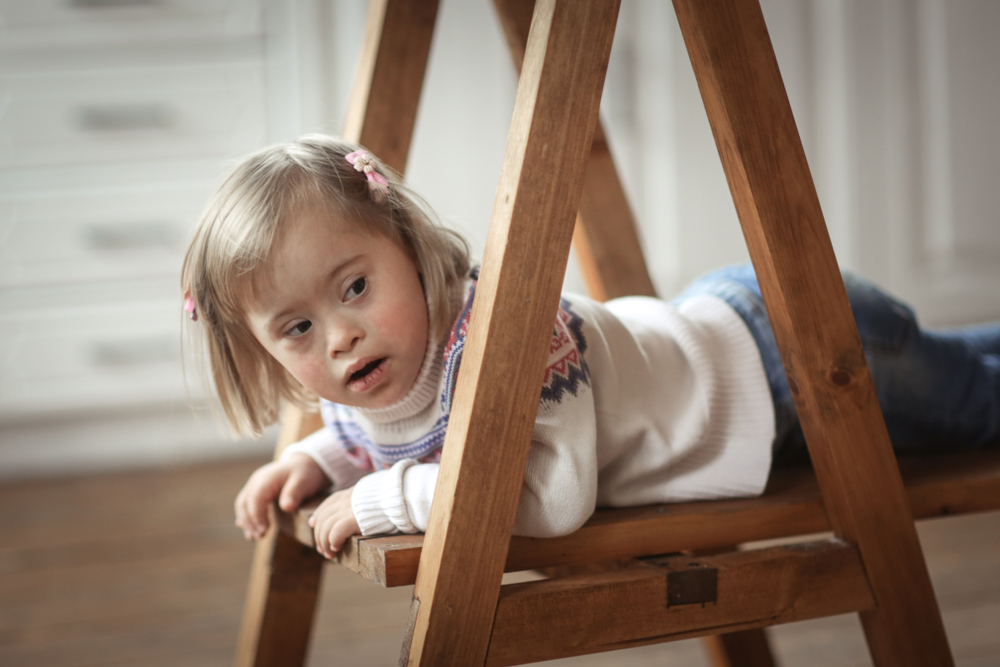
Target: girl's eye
299	329
356	289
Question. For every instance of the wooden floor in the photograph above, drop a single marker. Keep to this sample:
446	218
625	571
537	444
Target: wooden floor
147	569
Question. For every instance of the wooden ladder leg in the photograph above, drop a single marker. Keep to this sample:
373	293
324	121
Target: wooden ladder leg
281	601
499	385
383	106
607	246
747	648
285	576
606	238
284	582
781	218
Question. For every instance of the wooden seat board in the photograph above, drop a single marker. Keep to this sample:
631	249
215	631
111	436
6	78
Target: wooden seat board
791	505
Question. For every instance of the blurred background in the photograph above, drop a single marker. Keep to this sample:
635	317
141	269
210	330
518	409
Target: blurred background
118	118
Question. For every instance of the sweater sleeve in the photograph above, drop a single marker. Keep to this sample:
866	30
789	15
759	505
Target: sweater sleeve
397	499
323	448
559	491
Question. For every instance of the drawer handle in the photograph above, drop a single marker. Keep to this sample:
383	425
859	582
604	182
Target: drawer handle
111	4
134	352
135	236
125	117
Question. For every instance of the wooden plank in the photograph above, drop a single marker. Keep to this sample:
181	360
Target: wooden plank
676	597
957	483
390	76
284	580
605	239
791	505
780	213
609	254
381	115
281	600
499	384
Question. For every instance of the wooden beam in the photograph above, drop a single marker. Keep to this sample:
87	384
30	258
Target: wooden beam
808	308
499	385
284	579
609	254
390	76
605	239
281	600
792	505
676	597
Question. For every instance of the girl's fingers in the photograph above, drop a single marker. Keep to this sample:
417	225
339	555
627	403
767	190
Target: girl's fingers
322	533
263	487
333	522
296	489
244	515
251	514
322	537
338	535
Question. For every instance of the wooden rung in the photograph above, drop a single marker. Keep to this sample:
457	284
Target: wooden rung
936	486
676	597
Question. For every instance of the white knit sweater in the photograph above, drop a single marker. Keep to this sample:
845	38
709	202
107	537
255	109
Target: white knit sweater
643	402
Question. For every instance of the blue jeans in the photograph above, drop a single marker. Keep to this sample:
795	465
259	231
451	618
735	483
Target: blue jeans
937	389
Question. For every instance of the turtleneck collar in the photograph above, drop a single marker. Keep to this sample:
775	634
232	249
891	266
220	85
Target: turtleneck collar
426	389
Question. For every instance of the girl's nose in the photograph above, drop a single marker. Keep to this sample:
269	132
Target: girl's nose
343	337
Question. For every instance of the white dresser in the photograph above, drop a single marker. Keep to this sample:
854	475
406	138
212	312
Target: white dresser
117	120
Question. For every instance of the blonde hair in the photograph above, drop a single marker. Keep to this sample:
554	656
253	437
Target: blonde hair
229	253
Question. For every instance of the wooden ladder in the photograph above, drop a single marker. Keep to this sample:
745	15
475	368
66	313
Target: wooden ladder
557	169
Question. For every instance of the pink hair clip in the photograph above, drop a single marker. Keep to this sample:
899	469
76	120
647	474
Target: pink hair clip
190	307
365	163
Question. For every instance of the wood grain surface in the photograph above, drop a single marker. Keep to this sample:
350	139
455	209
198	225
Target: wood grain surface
783	225
517	295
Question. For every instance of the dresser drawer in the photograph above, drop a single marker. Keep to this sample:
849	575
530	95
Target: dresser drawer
60	24
95	117
91	235
99	356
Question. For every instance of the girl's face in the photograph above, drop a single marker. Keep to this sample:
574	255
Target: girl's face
344	312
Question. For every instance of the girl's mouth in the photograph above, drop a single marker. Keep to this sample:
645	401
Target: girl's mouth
367	376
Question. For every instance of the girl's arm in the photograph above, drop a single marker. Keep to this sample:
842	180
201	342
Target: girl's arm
314	463
560	480
323	448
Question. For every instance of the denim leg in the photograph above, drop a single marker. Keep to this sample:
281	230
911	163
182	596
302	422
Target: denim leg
936	389
983	338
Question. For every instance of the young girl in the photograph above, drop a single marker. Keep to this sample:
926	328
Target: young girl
315	273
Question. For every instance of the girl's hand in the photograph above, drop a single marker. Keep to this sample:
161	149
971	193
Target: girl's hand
333	522
289	481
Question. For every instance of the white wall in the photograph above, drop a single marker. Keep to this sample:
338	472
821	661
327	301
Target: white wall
896	101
